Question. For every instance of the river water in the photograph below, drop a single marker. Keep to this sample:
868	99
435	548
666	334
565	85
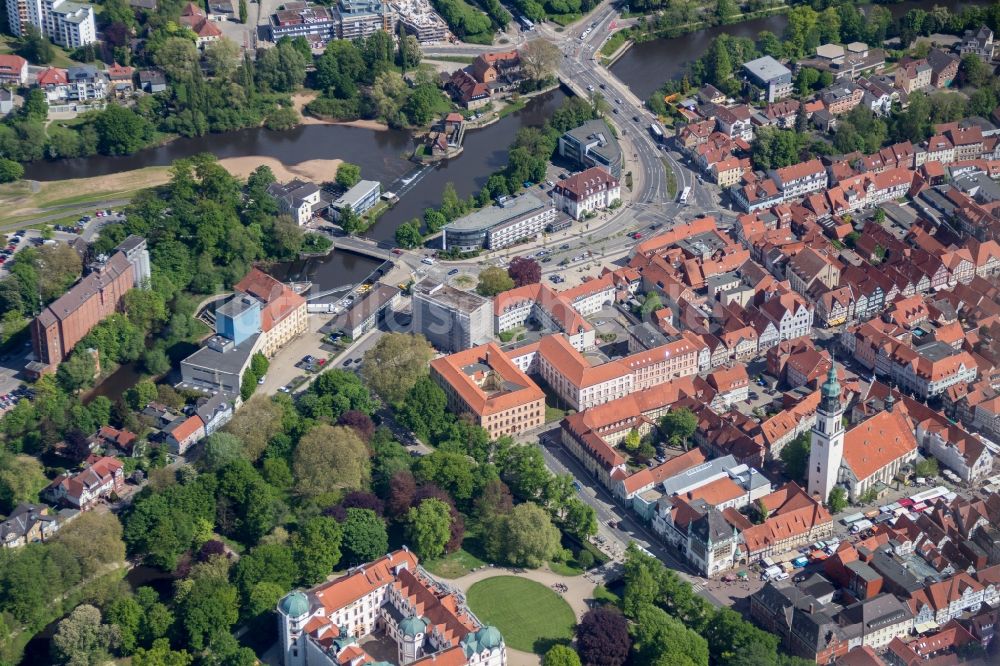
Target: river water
380	154
645	67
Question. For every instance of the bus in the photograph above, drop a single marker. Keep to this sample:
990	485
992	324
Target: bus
655	130
526	24
684	195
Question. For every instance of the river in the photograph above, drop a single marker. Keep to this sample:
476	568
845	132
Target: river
646	66
380	154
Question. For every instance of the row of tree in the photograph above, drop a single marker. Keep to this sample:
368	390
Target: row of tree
660	619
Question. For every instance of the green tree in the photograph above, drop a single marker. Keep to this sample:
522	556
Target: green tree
523	470
349	221
451	206
650	304
837	501
35	48
365	536
529	538
121	131
95	541
451	471
22	477
330	458
161	655
428	528
271	563
221	449
77	372
177	57
494	280
145	308
260	420
579	519
81	639
424	409
433	220
155	361
724	9
795	456
316	548
249	384
395	363
656	636
408	235
282	68
223	57
632	440
679	425
126	615
561	655
207	610
243	11
10	171
348	175
928	467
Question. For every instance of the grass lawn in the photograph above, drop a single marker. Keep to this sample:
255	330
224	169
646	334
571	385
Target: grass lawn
18	202
671	179
565	568
554	414
454	565
615	42
603	595
531	617
463	60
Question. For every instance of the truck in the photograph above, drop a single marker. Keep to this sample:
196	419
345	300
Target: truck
655	130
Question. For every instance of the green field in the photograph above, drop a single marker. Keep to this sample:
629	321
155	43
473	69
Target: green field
454	565
531	617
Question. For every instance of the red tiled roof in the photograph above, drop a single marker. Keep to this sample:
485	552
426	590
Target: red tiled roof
586	183
873	444
519	389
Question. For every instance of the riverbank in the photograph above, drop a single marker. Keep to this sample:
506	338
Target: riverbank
317	171
301	99
30	197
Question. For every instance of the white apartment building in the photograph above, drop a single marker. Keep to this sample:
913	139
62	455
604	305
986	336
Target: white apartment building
586	192
800	179
68	24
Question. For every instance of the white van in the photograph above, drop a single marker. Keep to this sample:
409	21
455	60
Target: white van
428	261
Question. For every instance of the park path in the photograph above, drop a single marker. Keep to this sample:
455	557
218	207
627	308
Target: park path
578	591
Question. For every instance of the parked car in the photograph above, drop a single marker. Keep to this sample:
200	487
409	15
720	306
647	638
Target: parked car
453	271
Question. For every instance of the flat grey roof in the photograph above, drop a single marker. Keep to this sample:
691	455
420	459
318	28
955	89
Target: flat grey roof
698	475
936	350
237	305
647	335
597	135
512	208
352	196
447	296
767	68
229	362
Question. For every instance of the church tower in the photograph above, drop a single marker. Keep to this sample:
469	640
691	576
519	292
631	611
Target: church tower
827	450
